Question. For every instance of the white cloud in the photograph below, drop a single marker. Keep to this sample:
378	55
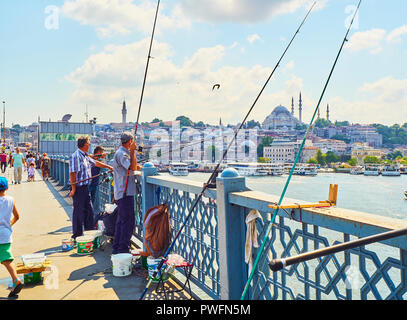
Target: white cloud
120	17
243	10
396	34
374	39
171	90
254	37
367	40
379	101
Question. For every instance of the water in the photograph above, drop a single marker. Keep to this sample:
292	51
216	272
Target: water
377	195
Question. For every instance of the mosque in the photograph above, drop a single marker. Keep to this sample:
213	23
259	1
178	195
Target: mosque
282	119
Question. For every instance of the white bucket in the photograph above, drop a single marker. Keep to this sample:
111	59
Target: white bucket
122	264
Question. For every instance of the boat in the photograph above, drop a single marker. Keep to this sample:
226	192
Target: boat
249	169
273	169
357	170
371	170
178	169
306	170
391	171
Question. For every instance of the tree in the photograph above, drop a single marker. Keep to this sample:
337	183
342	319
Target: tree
300	127
341	123
340	137
331	157
371	159
184	121
353	162
312	161
252	124
156	120
265	142
322	123
321	159
263	160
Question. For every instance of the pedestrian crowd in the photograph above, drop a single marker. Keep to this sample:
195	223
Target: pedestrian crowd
84	173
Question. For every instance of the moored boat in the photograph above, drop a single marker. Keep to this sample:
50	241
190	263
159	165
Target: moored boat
390	171
371	170
249	169
178	169
357	170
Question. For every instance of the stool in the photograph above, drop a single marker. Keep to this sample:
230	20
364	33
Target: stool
187	268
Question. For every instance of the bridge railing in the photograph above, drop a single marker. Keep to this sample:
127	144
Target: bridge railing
214	239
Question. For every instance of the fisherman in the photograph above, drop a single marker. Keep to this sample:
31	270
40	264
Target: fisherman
124	163
98	154
80	165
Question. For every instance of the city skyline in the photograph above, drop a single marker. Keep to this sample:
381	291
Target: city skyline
57	57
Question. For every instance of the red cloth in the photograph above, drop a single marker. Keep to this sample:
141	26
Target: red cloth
3	157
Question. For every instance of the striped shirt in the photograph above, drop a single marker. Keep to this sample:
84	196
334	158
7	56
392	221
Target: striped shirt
82	164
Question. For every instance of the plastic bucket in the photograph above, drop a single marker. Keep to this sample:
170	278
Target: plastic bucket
152	265
84	244
96	234
122	265
67	245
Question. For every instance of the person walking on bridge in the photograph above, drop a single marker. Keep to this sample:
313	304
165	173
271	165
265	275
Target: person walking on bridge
3	160
80	165
18	162
124	163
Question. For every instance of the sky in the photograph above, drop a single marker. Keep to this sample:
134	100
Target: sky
59	56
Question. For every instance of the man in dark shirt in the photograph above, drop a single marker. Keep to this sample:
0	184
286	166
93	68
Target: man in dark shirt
98	154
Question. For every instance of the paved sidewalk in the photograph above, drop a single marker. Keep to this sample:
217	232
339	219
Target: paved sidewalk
44	223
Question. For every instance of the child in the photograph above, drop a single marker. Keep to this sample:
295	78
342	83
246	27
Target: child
7	210
31	172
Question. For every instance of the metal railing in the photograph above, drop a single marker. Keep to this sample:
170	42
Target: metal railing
214	240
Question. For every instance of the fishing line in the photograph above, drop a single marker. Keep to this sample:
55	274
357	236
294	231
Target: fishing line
198	198
266	238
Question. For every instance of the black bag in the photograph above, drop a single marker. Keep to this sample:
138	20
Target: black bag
109	221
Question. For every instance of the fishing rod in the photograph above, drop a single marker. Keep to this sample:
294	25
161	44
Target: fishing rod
278	264
214	173
93	177
266	238
143	87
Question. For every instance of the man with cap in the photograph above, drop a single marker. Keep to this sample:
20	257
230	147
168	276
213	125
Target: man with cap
80	165
124	163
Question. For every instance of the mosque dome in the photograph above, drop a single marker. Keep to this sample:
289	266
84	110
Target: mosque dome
280	118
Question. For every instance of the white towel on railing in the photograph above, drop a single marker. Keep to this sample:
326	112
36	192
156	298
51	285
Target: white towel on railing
251	236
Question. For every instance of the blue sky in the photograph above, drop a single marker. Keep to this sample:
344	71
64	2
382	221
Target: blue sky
93	52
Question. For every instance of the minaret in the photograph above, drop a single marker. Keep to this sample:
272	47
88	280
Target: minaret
327	112
319	115
300	108
292	106
124	112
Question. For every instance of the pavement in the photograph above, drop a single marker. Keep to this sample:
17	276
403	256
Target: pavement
45	220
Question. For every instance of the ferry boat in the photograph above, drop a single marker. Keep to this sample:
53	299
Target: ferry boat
391	171
307	170
273	169
371	170
356	170
249	169
178	169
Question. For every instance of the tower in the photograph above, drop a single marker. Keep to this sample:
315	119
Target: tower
124	112
319	115
300	108
327	112
292	106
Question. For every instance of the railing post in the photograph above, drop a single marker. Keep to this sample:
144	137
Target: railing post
57	177
66	173
61	171
147	190
231	226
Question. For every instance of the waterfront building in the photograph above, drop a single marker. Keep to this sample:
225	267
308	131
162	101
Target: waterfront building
336	146
308	153
362	150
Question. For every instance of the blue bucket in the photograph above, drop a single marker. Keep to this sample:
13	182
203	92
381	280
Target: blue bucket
67	245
